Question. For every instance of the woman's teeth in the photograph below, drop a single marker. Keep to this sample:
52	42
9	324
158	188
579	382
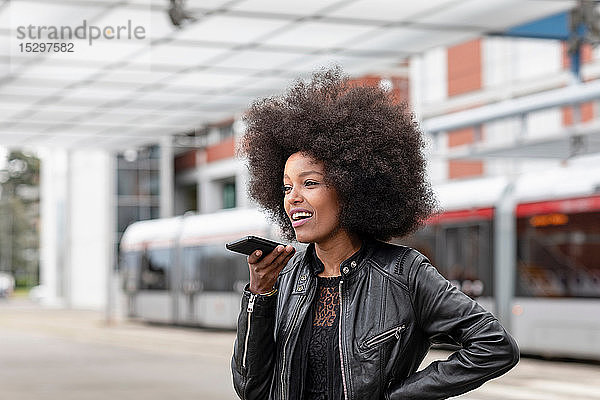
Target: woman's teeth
300	215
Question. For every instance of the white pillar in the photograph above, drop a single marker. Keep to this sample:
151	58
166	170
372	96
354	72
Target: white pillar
77	243
92	227
53	175
210	199
200	162
167	187
242	175
66	249
241	186
112	309
505	254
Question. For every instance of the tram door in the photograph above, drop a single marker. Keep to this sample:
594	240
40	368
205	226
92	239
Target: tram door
465	254
130	275
152	300
461	250
191	286
213	280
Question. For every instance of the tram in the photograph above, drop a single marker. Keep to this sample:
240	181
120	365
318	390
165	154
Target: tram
554	301
177	270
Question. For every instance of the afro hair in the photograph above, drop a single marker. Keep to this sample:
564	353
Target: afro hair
370	145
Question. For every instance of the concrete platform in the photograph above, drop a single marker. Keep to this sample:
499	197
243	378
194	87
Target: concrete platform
52	354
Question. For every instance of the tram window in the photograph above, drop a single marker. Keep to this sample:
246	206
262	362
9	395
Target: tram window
462	253
154	269
558	255
213	268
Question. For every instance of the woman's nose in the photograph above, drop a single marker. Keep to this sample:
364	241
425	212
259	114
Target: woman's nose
294	196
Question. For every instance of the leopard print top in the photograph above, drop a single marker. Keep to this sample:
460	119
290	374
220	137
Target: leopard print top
323	354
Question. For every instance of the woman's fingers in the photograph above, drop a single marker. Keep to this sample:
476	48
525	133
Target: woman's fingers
288	255
272	263
263	273
269	258
279	251
254	257
282	258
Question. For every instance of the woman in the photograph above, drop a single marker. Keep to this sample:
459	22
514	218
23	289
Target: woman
352	317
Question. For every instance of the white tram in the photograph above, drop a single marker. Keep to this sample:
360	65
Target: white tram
528	250
177	270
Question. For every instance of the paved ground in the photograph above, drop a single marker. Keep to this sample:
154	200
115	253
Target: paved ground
67	355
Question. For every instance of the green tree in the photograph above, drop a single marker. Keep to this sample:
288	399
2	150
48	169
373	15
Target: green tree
19	222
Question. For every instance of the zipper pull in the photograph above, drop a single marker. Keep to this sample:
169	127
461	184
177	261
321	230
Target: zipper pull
398	330
251	302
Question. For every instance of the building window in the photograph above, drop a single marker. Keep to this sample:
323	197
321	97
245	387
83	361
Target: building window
138	186
226	131
127	215
229	195
127	182
186	198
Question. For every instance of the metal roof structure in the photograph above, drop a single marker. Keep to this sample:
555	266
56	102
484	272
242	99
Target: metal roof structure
121	92
564	143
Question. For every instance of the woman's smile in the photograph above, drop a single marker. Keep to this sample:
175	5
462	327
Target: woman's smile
299	216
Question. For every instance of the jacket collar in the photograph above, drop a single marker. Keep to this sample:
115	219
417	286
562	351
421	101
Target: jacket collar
347	267
312	266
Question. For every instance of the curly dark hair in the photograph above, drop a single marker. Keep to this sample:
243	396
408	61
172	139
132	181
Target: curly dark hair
370	145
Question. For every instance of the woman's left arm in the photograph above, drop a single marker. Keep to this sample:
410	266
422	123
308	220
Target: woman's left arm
446	315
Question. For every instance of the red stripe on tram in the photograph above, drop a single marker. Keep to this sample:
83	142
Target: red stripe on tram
485	213
565	206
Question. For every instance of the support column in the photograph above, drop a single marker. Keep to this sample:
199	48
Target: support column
505	254
167	186
77	233
112	277
241	187
53	175
66	227
200	162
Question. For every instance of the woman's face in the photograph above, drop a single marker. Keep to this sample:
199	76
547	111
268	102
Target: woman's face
312	206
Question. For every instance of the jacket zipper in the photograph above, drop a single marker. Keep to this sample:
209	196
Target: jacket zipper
250	309
382	337
285	346
341	344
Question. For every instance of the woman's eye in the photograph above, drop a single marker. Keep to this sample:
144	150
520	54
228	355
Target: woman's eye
288	188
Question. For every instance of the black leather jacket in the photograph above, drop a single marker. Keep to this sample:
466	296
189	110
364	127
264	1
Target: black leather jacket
393	306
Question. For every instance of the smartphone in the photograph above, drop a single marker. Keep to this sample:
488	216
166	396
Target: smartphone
248	244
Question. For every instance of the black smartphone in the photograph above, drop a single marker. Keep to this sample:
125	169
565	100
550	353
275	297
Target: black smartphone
248	244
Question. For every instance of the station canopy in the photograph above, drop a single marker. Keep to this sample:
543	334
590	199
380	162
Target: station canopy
144	78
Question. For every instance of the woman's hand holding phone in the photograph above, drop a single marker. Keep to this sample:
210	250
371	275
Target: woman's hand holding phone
264	271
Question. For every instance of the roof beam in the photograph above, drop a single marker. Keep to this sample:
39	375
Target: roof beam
573	94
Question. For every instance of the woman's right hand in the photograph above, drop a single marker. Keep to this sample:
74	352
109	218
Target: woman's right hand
264	273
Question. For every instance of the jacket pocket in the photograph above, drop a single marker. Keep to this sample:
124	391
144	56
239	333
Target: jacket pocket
374	341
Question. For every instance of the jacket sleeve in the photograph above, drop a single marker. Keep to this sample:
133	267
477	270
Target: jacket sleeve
446	315
254	348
